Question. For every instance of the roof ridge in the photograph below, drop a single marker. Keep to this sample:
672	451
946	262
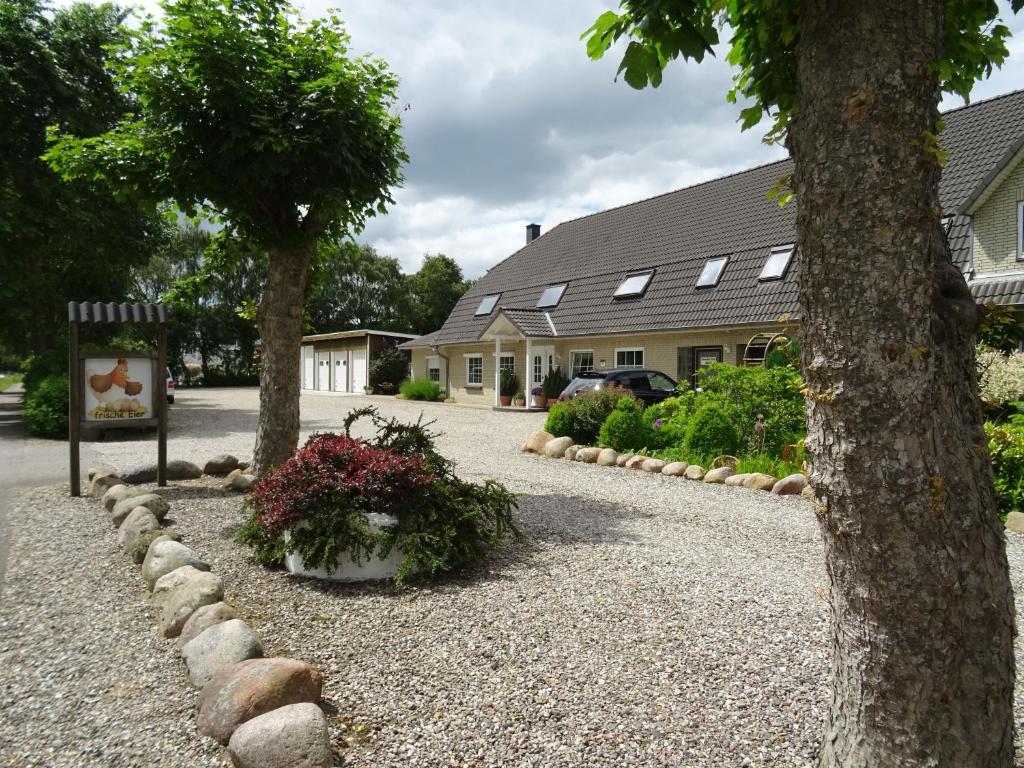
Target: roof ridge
980	102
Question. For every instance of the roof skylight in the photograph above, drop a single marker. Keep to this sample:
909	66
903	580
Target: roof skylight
633	285
777	264
712	272
552	295
487	304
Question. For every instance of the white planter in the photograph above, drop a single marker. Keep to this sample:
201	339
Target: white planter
345	569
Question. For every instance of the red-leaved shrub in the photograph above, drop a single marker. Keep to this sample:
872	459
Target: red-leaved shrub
332	469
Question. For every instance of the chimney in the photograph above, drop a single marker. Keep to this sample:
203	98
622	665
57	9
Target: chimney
532	232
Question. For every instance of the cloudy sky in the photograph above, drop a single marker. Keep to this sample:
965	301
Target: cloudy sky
508	122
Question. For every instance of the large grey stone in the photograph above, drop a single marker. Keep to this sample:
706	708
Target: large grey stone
571	451
588	455
535	443
674	469
623	459
180	593
101	482
203	619
293	736
556	448
176	470
635	462
790	485
242	483
609	457
736	480
220	464
166	556
120	492
1015	522
139	521
251	688
760	481
694	472
718	475
151	501
653	465
217	647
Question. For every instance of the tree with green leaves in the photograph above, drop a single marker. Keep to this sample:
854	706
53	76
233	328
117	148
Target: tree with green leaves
921	602
59	240
353	286
267	121
434	291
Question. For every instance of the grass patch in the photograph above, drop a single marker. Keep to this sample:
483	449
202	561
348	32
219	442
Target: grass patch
9	380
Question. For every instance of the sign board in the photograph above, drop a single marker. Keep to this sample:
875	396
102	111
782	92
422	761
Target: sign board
118	391
116	388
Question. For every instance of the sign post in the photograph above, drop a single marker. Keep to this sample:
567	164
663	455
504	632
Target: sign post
116	388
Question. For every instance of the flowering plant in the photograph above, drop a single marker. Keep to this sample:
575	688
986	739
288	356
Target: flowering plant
537	391
657	424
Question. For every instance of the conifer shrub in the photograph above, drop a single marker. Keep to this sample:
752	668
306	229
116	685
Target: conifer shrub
420	389
711	432
321	496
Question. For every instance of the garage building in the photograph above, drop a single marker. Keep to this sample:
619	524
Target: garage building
339	362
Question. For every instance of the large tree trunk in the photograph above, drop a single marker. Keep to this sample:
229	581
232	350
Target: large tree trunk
922	608
280	323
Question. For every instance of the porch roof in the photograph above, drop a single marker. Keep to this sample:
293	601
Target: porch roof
519	323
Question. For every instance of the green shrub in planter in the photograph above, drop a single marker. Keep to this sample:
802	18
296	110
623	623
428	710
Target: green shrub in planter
626	428
554	383
320	497
581	418
509	384
420	389
46	407
711	432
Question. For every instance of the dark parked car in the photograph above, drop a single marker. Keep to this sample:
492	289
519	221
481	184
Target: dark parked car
646	385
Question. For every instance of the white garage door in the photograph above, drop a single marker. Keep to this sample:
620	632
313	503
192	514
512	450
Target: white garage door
308	367
323	371
358	369
339	363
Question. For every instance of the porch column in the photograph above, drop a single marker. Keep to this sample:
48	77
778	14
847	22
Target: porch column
497	371
528	381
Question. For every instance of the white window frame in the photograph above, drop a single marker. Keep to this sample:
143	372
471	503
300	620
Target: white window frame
434	364
630	349
621	293
780	250
507	356
480	307
1020	230
552	303
572	354
474	356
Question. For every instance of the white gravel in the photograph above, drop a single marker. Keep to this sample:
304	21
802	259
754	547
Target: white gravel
646	620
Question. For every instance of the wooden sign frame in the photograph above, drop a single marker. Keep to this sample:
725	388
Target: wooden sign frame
99	312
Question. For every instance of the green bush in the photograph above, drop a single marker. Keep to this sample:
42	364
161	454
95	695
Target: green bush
785	355
667	420
626	428
1006	449
46	407
389	366
581	418
420	389
554	383
444	524
711	432
509	384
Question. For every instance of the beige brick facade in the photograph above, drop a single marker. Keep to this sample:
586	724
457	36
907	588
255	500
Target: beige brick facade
661	351
997	226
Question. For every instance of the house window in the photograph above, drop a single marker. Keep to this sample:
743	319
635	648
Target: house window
633	285
1020	230
434	368
580	361
712	272
551	296
474	370
508	362
629	358
777	264
487	304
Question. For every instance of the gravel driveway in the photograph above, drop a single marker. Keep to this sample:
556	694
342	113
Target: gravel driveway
645	621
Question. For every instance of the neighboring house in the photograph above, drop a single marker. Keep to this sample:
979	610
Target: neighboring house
704	273
339	362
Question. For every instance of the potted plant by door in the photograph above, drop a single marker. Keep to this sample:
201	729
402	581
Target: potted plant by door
537	399
519	400
554	384
509	385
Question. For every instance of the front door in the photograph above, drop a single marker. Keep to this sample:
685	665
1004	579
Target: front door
542	360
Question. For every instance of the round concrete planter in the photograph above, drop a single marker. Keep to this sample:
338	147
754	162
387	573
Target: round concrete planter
372	568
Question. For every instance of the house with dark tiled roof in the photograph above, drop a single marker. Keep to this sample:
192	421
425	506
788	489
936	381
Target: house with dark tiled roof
706	273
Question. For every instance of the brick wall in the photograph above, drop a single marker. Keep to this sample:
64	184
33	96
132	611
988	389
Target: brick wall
995	226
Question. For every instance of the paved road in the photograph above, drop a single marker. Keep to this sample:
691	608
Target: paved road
25	462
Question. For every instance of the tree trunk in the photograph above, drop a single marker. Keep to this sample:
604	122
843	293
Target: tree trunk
922	607
280	323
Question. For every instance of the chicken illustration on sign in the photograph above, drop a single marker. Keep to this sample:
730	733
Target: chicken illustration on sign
114	395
